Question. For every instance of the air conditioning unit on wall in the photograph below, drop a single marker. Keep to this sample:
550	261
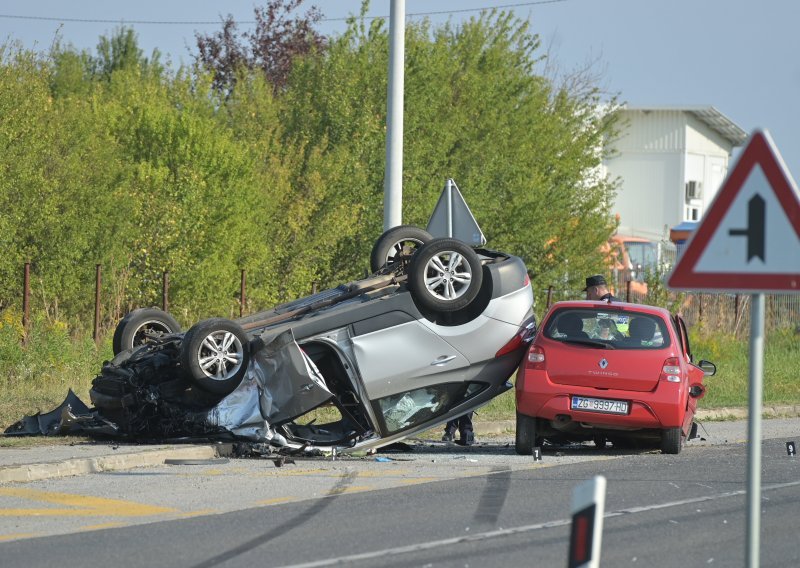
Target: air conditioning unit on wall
694	190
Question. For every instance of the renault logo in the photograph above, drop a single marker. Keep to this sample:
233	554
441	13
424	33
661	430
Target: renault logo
603	363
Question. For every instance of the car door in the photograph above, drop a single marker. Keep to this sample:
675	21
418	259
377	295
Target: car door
696	374
683	336
405	357
289	383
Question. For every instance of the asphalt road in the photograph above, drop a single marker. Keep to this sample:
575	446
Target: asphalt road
437	505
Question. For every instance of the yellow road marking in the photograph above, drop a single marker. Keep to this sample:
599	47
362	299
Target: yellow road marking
218	471
393	473
101	526
285	471
14	536
351	489
274	500
200	512
84	506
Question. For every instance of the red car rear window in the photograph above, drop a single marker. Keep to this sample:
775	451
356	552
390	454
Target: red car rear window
623	329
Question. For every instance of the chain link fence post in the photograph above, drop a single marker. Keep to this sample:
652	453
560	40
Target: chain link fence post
97	284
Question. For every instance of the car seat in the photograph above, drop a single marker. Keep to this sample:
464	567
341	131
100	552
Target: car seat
641	329
570	324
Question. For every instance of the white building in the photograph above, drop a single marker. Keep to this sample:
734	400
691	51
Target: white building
670	161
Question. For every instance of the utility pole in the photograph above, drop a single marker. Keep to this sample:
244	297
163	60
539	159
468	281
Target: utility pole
393	180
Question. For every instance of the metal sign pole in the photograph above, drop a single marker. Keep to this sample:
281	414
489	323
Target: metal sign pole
450	208
393	182
754	431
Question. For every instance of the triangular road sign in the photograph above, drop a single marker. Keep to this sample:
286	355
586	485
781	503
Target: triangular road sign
749	240
452	218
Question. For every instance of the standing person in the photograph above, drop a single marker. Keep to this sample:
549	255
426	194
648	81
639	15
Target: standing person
464	426
597	289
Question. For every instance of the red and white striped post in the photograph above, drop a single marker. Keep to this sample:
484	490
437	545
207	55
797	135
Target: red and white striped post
588	504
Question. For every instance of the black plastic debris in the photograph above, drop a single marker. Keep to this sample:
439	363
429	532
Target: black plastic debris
70	417
280	461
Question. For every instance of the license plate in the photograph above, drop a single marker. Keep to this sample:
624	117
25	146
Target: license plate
599	405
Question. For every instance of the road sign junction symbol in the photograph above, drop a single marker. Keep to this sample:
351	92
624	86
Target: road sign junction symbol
749	239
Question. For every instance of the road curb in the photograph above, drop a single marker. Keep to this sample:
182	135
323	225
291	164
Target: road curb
143	457
117	462
769	411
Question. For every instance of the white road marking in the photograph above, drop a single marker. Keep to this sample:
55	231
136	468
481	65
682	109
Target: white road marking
519	530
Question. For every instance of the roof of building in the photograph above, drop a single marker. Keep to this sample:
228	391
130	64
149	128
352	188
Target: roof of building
709	115
686	226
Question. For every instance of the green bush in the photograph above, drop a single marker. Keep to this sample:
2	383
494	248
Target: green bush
37	370
730	386
114	160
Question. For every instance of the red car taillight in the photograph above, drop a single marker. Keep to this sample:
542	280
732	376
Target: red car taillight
671	371
536	359
523	336
513	345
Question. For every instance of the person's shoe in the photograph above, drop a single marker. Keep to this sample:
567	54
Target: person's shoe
448	437
466	439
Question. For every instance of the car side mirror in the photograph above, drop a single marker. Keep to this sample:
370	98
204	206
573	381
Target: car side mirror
709	368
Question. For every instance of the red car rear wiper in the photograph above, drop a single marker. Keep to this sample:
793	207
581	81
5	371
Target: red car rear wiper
590	343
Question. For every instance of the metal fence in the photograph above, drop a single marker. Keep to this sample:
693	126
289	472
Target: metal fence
731	312
26	294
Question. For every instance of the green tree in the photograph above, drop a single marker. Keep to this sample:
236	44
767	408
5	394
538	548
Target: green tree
72	71
142	171
75	72
56	166
525	153
191	189
121	51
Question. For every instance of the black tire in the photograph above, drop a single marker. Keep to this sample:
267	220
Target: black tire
141	326
397	243
445	275
525	438
215	353
671	441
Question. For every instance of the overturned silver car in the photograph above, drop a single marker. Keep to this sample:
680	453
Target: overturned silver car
435	331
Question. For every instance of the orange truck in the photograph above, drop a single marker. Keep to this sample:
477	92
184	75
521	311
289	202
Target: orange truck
634	259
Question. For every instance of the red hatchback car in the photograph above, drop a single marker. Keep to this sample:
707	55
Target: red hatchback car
608	372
